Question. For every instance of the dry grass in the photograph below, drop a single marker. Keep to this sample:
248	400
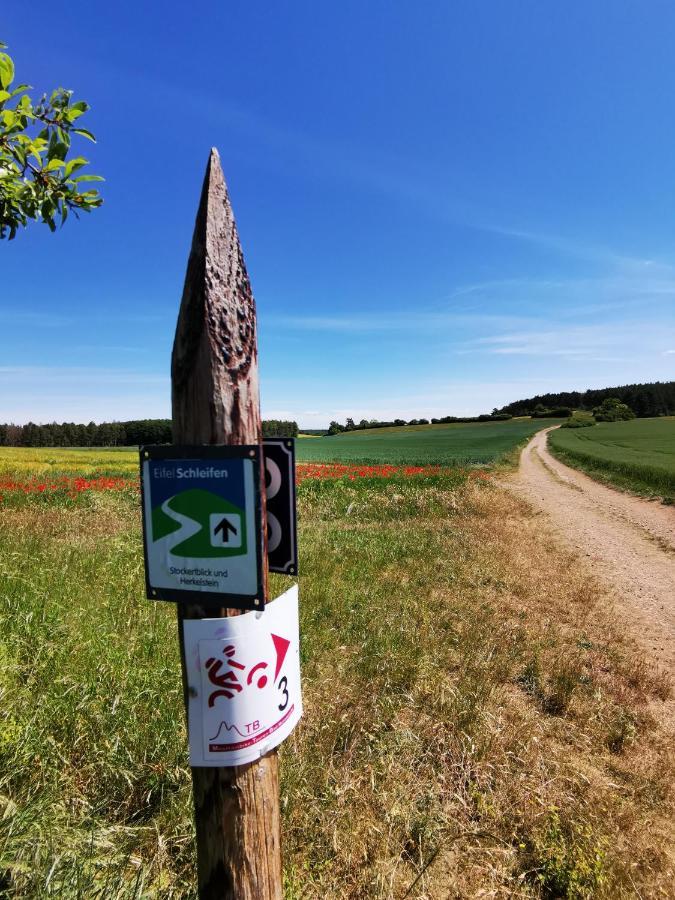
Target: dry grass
501	742
98	517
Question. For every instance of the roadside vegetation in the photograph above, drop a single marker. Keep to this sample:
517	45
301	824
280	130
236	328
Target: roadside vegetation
475	722
579	419
636	455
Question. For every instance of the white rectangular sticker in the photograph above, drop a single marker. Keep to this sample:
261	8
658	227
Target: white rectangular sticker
243	677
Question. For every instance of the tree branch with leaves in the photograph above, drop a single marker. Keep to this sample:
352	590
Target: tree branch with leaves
38	180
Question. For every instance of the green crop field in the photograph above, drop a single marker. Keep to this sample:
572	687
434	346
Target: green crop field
473	443
638	455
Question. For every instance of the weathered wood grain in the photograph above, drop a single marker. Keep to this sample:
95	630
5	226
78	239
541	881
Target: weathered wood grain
215	400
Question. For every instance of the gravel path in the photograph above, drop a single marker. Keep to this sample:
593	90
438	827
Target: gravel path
630	542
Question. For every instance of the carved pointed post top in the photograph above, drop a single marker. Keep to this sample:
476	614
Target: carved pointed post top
214	365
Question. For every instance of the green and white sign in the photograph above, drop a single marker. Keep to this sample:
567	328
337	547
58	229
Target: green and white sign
202	524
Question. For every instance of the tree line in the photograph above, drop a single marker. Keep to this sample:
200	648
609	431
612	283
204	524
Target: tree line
646	400
351	425
111	434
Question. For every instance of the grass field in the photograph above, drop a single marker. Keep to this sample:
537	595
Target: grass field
638	455
475	725
460	444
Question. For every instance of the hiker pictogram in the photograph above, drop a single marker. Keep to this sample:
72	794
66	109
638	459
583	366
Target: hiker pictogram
227	681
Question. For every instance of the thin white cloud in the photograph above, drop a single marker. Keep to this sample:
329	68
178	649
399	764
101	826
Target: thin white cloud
522	301
61	320
580	249
417	320
564	298
80	376
600	341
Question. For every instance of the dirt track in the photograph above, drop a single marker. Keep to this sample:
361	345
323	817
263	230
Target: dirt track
629	542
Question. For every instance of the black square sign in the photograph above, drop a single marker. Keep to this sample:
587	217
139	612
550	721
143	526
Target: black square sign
282	540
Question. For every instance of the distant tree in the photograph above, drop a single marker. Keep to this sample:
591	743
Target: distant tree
112	434
13	437
335	428
613	410
37	179
104	434
57	432
29	435
279	428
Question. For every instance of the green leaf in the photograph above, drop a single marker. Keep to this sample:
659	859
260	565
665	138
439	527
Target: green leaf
54	164
20	89
4	95
20	153
87	178
6	70
57	149
75	164
85	133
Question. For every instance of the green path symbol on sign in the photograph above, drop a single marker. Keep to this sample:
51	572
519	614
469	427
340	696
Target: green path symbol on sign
202	525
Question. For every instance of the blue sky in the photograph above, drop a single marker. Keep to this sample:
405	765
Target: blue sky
444	206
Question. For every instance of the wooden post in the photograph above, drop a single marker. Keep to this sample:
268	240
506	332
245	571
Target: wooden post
215	400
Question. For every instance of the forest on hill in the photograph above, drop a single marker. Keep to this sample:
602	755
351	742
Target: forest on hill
111	434
656	398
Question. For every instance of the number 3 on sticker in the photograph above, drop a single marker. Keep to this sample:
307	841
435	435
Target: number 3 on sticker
283	681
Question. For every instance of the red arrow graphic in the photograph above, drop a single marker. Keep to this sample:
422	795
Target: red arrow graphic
281	645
